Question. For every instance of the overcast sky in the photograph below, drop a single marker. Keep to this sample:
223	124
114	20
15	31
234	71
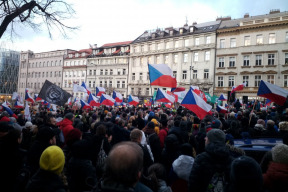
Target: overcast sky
110	21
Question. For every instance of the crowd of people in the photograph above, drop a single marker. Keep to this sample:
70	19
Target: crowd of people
141	149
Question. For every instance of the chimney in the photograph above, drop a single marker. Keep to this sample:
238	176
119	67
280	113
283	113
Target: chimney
223	18
246	15
272	11
194	23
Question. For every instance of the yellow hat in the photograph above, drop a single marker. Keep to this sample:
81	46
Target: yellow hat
52	160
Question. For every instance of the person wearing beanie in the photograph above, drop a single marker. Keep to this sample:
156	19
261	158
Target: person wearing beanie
47	178
66	124
215	159
216	124
276	176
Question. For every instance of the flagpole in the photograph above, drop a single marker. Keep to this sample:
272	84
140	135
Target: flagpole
150	83
252	110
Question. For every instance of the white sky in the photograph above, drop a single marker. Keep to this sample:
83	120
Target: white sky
110	21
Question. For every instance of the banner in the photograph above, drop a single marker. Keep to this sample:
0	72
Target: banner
54	94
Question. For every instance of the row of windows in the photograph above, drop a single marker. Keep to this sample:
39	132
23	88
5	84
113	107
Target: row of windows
42	64
36	85
75	63
271	39
41	74
245	78
140	91
108	72
75	73
110	61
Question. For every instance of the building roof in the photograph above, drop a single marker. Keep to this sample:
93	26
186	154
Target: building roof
116	44
87	51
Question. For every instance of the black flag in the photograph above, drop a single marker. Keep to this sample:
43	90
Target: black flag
54	94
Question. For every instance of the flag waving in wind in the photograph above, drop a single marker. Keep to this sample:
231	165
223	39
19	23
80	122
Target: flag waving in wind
100	91
117	96
196	104
164	97
132	100
28	96
238	88
86	87
222	97
93	101
107	100
161	75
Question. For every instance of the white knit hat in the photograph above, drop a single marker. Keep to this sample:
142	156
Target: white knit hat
280	153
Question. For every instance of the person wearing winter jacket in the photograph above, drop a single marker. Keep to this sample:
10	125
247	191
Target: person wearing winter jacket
66	124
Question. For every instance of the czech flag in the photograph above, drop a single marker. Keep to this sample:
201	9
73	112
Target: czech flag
100	91
272	92
86	87
200	94
177	89
132	100
93	101
117	96
7	109
268	102
173	95
168	105
222	97
76	100
161	96
221	109
84	105
161	75
196	104
18	105
106	100
28	97
69	101
238	88
226	105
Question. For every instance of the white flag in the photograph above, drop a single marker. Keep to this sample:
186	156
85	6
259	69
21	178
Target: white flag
15	96
27	112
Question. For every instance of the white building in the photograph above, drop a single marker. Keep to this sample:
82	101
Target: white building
74	70
107	67
35	68
189	51
252	49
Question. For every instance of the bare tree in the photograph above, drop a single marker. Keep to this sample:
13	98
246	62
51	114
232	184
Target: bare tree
35	13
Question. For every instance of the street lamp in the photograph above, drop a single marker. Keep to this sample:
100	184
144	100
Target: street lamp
191	67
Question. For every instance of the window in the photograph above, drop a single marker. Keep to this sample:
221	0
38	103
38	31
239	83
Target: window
232	61
147	91
272	38
43	74
123	84
51	74
222	43
197	41
194	74
185	57
208	40
118	71
90	72
110	83
106	71
186	42
286	37
133	76
184	75
118	84
206	73
270	79
258	60
141	60
196	56
94	72
221	62
175	58
220	81
207	55
140	76
142	48
232	42
101	72
83	73
124	72
285	80
176	44
286	58
166	59
259	39
111	71
246	60
246	40
246	80
231	81
46	74
257	80
158	59
175	74
105	83
101	84
271	59
90	84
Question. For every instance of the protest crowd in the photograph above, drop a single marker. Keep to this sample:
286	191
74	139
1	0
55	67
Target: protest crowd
141	149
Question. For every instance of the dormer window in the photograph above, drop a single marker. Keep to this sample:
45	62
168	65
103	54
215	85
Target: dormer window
171	32
181	31
70	55
83	54
77	55
153	35
192	29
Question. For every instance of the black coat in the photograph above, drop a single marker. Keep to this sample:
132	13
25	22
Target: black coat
216	158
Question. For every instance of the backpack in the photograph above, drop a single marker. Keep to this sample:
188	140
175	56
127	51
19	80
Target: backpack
101	158
217	183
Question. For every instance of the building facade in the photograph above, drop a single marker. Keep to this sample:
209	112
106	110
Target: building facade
35	68
9	66
107	67
75	70
252	49
189	51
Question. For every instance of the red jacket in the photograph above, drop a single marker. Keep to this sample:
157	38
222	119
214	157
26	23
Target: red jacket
5	119
276	177
66	125
162	135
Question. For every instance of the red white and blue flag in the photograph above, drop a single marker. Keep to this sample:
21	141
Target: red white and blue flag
36	98
272	92
86	87
174	94
100	91
221	109
168	105
132	100
199	93
93	101
18	105
238	88
268	102
196	104
9	111
84	105
28	97
161	75
177	89
106	100
222	97
161	96
69	101
117	96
